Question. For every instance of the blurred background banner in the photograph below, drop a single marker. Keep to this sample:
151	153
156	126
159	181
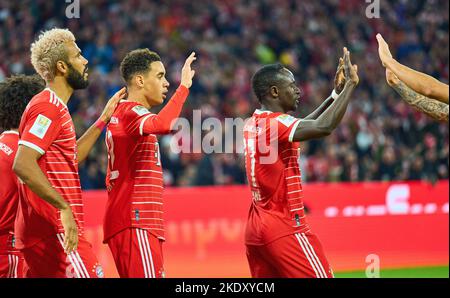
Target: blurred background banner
405	224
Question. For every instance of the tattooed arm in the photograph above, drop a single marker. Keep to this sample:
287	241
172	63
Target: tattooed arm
417	81
432	107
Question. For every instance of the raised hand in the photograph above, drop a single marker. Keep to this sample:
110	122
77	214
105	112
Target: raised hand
186	72
350	70
383	51
339	79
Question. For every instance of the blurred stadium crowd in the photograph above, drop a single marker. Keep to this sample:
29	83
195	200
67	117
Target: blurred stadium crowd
380	138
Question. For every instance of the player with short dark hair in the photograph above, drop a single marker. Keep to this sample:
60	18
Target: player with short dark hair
15	93
278	239
133	224
49	223
137	62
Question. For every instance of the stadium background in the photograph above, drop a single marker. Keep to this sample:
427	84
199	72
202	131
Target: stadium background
381	143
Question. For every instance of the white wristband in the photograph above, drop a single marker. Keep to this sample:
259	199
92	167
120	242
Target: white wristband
334	94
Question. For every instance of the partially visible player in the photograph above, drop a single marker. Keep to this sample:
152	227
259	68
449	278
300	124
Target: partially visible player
417	81
278	239
15	93
432	107
133	224
49	223
422	92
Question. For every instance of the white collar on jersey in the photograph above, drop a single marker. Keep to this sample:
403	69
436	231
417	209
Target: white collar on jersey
12	132
259	112
54	94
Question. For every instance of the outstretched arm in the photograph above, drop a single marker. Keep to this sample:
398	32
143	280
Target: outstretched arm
319	111
339	82
331	117
417	81
433	108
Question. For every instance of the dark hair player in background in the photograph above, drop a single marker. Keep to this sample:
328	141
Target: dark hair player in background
15	93
278	239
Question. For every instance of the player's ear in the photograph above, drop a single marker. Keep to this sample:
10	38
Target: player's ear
139	81
61	67
274	91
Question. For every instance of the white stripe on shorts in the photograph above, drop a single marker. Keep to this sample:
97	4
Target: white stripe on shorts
146	242
144	255
313	266
78	272
302	235
312	257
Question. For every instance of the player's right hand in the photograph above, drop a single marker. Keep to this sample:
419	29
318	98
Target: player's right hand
186	72
339	78
383	51
350	70
70	230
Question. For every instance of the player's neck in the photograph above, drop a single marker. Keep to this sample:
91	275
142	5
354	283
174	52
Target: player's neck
134	96
272	107
61	89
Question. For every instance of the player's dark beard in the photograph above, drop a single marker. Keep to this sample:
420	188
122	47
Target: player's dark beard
75	79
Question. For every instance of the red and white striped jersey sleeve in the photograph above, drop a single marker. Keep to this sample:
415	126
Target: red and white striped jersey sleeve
41	126
283	128
142	122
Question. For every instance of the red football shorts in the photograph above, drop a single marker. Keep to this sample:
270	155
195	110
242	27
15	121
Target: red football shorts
137	254
11	260
295	256
11	265
48	259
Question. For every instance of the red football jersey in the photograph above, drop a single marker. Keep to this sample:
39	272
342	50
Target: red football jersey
9	195
46	126
273	173
134	177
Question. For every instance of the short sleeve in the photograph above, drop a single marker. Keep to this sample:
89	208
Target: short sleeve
42	125
135	119
283	128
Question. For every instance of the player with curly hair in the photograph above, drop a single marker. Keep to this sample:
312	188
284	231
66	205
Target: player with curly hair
15	93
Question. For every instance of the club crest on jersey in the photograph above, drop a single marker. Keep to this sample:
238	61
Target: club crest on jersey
286	120
99	271
140	110
40	126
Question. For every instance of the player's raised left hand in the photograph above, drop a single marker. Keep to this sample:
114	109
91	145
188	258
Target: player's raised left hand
383	51
112	104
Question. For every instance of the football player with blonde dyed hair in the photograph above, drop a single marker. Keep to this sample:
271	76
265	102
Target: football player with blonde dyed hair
49	223
48	50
